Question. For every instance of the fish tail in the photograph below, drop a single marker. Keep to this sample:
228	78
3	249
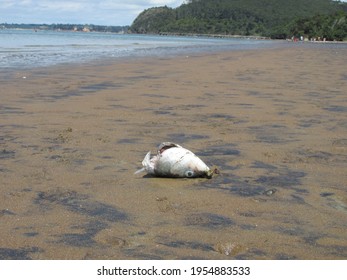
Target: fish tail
147	160
140	170
147	165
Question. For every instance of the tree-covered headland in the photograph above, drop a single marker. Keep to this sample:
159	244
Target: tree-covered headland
277	19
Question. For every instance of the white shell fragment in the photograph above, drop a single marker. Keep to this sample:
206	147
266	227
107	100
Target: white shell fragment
172	160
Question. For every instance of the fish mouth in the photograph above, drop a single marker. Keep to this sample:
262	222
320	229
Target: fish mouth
210	172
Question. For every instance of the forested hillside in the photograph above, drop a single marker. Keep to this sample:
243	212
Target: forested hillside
271	18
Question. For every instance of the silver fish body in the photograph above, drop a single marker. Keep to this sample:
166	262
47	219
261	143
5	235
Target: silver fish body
172	160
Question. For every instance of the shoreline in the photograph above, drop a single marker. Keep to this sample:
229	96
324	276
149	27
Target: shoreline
25	59
222	36
272	120
278	44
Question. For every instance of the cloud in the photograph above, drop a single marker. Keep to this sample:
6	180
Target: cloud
103	12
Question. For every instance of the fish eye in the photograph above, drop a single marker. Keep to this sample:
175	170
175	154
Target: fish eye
189	173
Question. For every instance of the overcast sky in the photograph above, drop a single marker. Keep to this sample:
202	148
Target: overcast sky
99	12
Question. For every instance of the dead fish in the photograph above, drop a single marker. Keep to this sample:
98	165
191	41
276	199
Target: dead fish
172	160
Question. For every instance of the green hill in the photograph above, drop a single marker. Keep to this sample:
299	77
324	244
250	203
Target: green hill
271	18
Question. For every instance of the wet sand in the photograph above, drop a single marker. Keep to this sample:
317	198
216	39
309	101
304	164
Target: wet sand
274	122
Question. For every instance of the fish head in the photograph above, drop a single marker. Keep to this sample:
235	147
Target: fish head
195	167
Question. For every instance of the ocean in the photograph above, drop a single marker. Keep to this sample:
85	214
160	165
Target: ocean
30	48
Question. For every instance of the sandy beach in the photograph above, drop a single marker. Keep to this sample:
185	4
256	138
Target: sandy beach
273	121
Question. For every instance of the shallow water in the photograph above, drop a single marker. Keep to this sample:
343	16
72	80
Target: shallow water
29	48
272	122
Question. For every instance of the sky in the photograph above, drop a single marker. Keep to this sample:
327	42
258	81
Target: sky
98	12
